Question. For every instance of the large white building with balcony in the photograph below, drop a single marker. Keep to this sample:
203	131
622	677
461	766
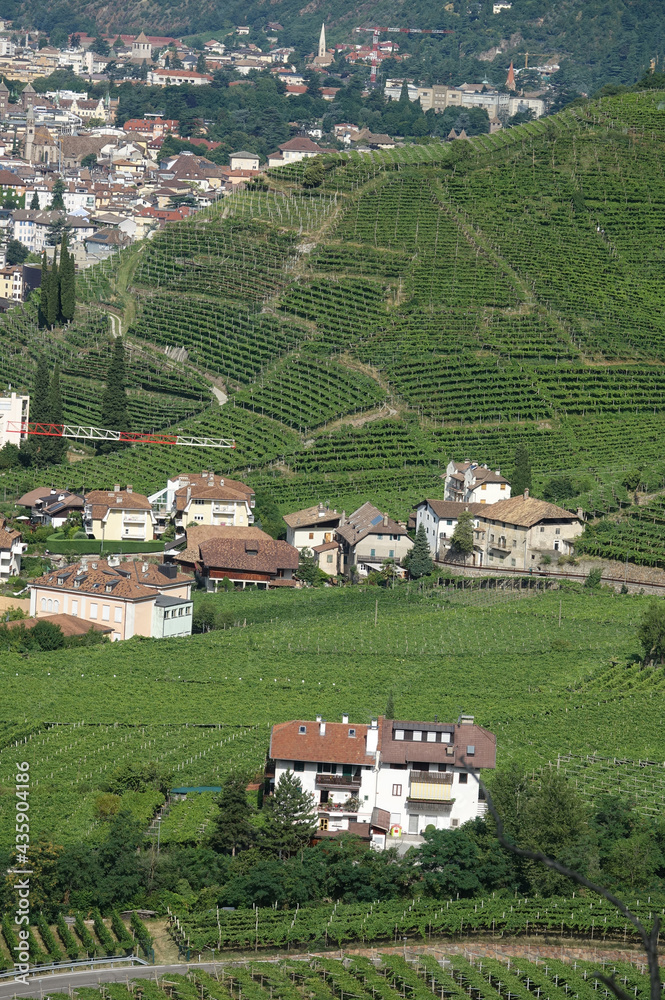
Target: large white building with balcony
205	498
117	515
390	780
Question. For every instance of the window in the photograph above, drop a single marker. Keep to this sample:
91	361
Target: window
391	553
372	553
302	730
397	789
514	543
463	778
311	534
106	613
199	502
417	736
449	521
329	558
503	486
542	529
352	733
323	823
484	486
399	734
117	614
443	768
455	822
446	738
49	605
380	537
93	610
557	531
512	562
75	607
470	751
431	737
491	538
326	768
197	517
299	765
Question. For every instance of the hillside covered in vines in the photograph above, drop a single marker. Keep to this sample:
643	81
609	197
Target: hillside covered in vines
423	303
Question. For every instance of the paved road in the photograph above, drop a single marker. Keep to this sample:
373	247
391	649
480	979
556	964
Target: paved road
60	982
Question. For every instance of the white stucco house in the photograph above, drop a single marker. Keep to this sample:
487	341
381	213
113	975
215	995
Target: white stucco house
470	482
389	780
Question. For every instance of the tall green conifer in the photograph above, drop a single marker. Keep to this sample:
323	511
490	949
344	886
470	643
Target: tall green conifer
114	400
53	293
67	282
43	292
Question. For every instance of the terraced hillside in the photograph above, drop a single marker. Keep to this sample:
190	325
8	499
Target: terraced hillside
422	303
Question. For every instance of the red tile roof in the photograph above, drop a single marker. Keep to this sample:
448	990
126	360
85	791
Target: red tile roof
335	747
68	624
463	736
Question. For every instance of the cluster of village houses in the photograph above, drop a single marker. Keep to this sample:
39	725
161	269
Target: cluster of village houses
217	543
119	187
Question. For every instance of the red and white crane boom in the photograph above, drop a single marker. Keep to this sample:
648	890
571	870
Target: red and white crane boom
103	434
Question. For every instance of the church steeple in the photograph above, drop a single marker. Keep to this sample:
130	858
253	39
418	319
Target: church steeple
510	81
322	42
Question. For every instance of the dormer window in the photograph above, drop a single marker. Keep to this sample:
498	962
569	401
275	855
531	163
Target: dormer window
302	730
108	588
61	580
352	732
399	734
470	750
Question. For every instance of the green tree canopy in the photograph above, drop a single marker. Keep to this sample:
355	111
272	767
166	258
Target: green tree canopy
290	822
419	561
462	537
232	830
16	252
114	401
57	192
651	631
521	478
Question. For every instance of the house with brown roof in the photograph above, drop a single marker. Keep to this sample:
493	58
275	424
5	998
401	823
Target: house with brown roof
439	519
389	780
517	533
136	598
312	527
68	625
300	148
369	538
116	515
246	556
205	498
11	549
51	506
471	482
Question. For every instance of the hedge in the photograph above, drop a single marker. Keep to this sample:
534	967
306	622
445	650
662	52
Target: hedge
93	546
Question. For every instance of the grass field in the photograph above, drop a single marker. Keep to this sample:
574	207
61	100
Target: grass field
549	673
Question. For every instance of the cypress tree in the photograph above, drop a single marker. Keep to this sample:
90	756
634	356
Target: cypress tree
51	449
233	830
67	282
39	402
521	480
53	293
43	292
35	201
114	400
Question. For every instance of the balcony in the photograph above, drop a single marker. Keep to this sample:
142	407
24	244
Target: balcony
431	787
348	808
433	777
343	781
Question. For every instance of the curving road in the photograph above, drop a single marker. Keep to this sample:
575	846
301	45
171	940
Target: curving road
61	982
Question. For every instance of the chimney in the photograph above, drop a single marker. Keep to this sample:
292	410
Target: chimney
144	568
211	480
580	513
526	494
130	488
345	719
372	744
465	720
322	729
342	520
189	493
319	718
116	488
204	474
498	472
385	520
53	491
